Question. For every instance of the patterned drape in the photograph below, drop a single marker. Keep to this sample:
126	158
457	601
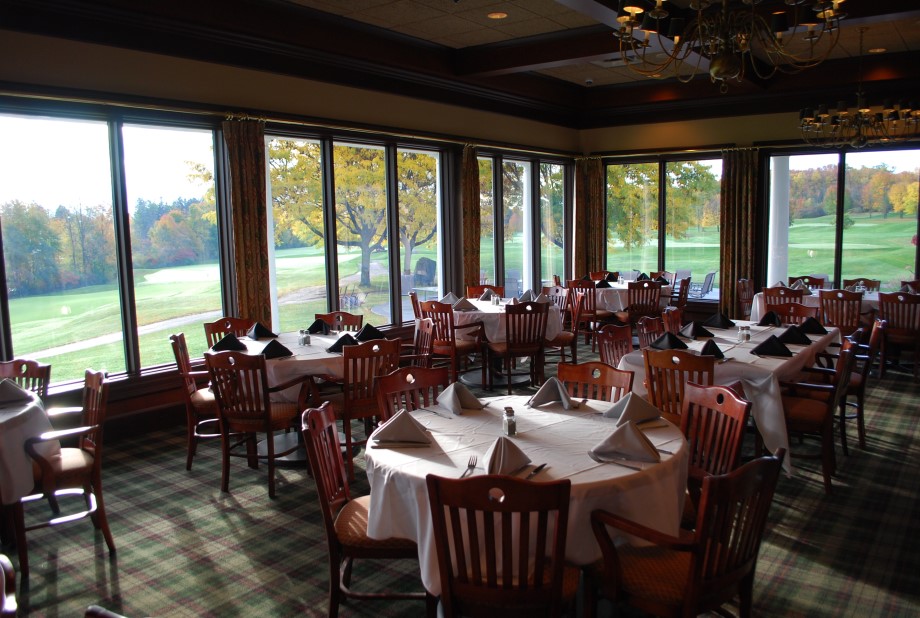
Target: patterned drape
740	171
469	204
245	141
590	227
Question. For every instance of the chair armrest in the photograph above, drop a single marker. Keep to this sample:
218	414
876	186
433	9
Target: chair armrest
685	541
61	411
807	386
197	374
476	324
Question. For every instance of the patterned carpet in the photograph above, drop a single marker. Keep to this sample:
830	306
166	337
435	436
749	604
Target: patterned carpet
186	549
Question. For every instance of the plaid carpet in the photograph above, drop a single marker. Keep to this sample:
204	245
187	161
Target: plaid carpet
186	549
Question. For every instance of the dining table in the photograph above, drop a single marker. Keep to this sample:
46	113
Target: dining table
758	307
616	297
493	320
759	375
19	421
652	493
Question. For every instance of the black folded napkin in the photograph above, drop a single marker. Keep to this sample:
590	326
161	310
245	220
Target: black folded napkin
812	326
368	332
668	341
586	278
341	342
711	349
794	335
695	330
229	342
260	332
275	349
662	280
719	320
602	284
611	277
770	319
642	277
318	327
771	347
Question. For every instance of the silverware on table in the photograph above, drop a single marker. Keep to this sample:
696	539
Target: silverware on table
470	466
535	472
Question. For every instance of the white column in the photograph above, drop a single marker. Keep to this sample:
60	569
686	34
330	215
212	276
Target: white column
778	242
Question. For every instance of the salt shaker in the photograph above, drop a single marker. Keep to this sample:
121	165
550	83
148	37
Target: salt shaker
509	423
304	338
744	334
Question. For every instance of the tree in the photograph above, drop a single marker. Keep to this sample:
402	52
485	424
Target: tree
904	197
31	247
552	205
418	215
693	194
632	203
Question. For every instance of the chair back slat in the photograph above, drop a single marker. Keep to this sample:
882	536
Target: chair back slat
614	341
713	419
29	374
525	326
240	386
216	330
842	309
666	373
673	319
901	310
871	285
442	314
648	329
595	380
782	294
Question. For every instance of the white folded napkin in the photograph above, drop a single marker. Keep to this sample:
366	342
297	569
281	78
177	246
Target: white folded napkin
513	301
458	397
401	429
552	390
504	457
450	298
464	305
626	442
488	294
542	298
527	295
10	392
632	408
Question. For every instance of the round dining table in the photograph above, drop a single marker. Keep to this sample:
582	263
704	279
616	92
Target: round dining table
652	493
19	421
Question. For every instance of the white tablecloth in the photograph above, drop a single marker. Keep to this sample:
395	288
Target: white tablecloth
18	423
493	320
312	360
758	308
759	375
399	495
616	297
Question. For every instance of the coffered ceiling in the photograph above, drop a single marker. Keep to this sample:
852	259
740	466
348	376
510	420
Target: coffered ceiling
550	60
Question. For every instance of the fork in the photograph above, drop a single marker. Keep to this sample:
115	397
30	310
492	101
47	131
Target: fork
470	466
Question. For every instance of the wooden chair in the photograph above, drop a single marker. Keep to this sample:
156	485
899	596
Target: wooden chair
856	388
557	280
201	413
240	385
8	591
364	364
912	286
29	374
812	282
216	330
842	309
648	329
344	518
713	419
76	472
666	374
673	319
745	292
525	335
416	310
595	380
793	313
681	294
871	285
341	320
696	571
567	338
599	275
654	274
902	312
446	344
475	291
643	299
561	298
500	543
614	341
419	353
410	388
781	294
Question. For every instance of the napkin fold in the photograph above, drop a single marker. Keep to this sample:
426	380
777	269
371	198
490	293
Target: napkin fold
603	283
712	349
401	428
464	305
542	298
504	457
586	278
552	390
632	408
812	326
259	331
10	392
369	332
488	294
668	341
275	349
719	320
642	277
458	397
797	285
779	284
514	301
450	298
341	342
526	295
610	277
794	335
661	279
626	442
695	330
772	346
318	327
770	319
904	288
229	342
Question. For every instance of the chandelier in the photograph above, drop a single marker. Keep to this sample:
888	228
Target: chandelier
727	39
861	126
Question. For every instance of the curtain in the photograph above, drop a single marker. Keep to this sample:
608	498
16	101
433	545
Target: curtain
469	204
738	222
245	141
590	226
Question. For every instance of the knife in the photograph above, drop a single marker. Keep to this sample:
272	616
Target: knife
535	472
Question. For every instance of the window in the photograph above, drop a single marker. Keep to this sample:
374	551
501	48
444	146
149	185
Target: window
552	222
692	205
632	217
419	213
517	209
486	221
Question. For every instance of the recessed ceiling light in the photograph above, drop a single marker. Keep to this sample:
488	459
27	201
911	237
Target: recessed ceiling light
877	50
497	15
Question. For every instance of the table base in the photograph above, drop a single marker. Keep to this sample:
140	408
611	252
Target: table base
297	458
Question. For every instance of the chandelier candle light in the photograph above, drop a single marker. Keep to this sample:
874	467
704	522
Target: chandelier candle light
726	38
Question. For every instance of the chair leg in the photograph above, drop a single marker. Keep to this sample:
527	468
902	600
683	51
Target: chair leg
860	420
842	416
191	441
349	462
225	460
270	460
100	520
19	529
746	596
508	372
828	464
